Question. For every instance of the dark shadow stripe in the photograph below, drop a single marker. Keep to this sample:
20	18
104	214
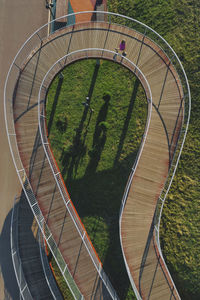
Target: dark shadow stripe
161	118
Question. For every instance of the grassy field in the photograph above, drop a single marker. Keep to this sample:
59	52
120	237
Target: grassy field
95	145
178	21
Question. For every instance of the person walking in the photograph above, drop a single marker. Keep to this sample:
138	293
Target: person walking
122	47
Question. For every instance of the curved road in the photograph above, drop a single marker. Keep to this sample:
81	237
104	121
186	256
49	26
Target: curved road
18	19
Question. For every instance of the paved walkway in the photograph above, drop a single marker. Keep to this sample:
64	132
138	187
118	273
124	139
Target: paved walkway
86	5
18	19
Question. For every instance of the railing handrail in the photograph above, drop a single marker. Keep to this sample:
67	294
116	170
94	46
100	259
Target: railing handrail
109	14
46	268
135	68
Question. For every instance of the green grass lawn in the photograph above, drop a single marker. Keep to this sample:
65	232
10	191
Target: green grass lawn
95	147
178	21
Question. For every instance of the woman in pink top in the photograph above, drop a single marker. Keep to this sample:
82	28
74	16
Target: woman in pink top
122	47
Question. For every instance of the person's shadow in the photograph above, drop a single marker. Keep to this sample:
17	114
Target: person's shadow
11	290
99	137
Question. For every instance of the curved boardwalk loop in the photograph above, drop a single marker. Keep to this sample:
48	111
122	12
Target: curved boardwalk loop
165	84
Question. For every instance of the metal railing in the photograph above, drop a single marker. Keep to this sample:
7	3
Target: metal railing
85	53
35	42
21	281
47	270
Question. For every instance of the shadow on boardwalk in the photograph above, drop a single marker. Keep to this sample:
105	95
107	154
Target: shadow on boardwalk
11	290
30	253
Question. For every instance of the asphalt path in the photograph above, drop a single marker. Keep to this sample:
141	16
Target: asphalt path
18	19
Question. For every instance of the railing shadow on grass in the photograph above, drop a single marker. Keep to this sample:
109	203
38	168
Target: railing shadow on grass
53	110
73	156
127	121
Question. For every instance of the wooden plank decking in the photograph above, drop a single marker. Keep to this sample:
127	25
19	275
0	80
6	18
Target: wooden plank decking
150	174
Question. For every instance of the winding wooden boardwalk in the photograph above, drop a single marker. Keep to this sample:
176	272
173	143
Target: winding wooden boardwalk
146	266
